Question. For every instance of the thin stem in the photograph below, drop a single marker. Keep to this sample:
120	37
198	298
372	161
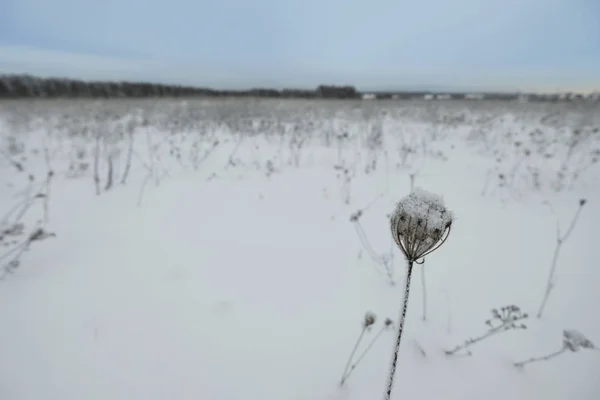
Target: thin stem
47	198
385	262
471	342
362	333
570	229
129	157
424	291
363	354
390	382
550	283
543	358
559	242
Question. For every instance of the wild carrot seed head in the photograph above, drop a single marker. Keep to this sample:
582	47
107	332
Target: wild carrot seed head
420	223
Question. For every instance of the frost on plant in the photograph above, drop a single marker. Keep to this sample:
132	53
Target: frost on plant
572	341
420	224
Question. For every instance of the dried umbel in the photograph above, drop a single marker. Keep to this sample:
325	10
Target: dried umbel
370	319
420	224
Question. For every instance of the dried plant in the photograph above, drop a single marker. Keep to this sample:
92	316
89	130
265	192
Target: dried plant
572	341
504	320
13	226
384	260
420	224
560	240
14	254
97	164
387	324
368	321
130	134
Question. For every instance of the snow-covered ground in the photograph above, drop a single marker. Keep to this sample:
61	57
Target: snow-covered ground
226	267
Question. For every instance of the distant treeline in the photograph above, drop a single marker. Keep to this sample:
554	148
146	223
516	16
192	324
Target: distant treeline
27	86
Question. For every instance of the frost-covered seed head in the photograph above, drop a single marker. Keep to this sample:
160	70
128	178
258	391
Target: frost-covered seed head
370	319
574	340
420	223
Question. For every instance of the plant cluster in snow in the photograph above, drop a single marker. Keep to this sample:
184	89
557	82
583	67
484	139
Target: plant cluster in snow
110	143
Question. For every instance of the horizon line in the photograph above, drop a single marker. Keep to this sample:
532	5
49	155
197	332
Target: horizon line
413	88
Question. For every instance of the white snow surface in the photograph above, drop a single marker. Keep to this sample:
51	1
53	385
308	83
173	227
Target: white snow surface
240	276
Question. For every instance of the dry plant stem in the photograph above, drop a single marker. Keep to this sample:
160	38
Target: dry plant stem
424	292
15	164
559	242
230	161
471	342
347	367
9	267
151	158
390	383
110	173
20	209
206	154
387	264
19	249
49	175
543	358
97	165
363	354
47	198
150	169
129	157
29	200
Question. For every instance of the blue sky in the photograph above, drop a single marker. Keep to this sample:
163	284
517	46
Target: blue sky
526	44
